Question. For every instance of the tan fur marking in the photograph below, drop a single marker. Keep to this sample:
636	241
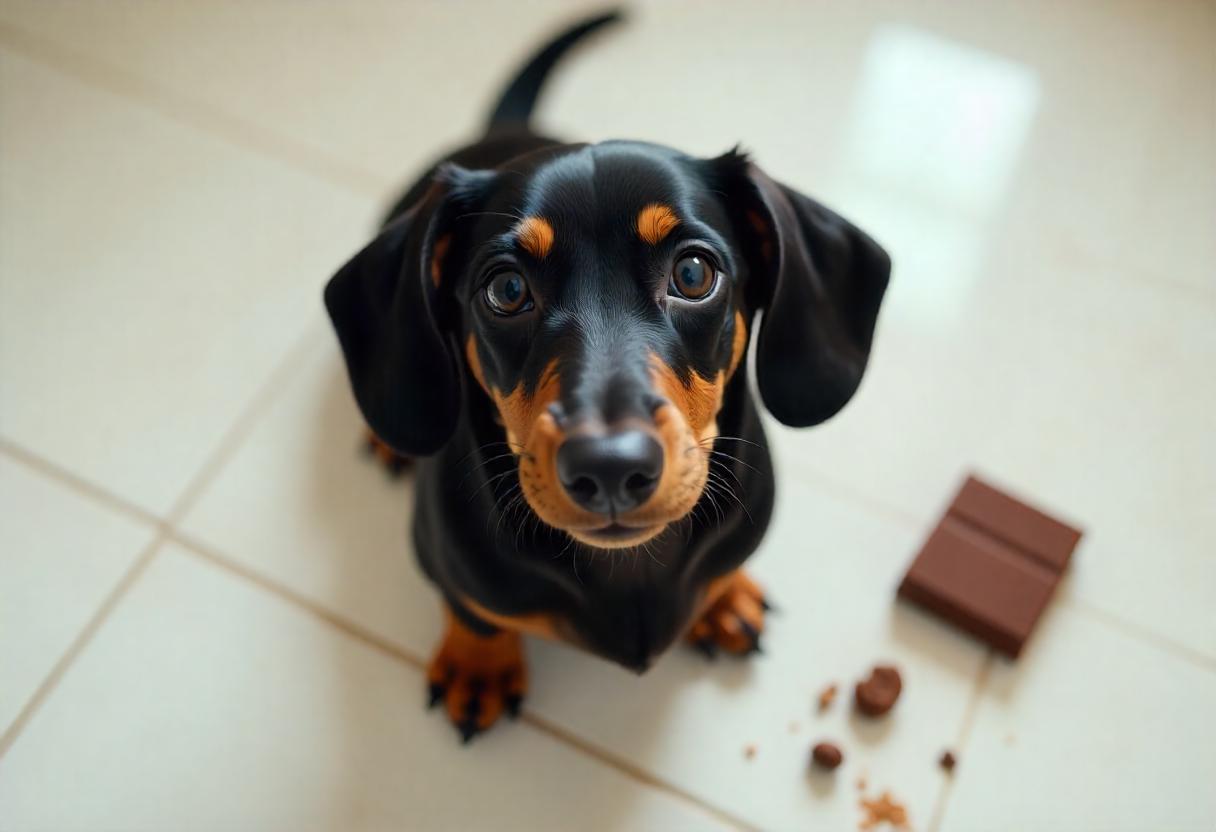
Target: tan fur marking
470	352
655	222
738	344
535	234
519	410
699	400
441	249
538	624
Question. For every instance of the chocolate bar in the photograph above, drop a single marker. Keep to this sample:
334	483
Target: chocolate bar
991	566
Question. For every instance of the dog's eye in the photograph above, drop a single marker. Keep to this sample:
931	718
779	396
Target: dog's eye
693	276
507	293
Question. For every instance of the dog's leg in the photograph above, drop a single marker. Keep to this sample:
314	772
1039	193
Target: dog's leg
393	462
731	618
477	676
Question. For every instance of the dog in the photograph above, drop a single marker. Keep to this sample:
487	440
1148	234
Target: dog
556	336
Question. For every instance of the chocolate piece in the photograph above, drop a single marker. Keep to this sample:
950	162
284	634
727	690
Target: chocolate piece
749	751
991	566
947	761
826	755
876	695
826	696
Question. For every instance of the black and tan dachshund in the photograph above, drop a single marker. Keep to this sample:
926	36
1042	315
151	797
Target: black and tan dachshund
557	335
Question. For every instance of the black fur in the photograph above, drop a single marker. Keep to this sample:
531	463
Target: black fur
813	279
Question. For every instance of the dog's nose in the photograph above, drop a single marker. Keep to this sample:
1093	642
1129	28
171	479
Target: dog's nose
610	473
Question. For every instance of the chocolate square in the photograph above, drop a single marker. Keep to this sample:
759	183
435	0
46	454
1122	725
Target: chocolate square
991	566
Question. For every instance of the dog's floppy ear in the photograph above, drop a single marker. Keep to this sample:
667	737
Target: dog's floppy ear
388	309
819	281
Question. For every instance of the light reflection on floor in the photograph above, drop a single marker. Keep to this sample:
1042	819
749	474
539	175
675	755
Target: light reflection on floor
932	145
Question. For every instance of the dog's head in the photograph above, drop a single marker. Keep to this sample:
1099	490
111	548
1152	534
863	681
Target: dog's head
601	298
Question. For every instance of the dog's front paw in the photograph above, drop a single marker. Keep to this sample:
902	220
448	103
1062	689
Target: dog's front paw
392	461
477	677
733	621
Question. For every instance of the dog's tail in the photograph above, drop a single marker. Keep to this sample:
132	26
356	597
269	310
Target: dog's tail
517	101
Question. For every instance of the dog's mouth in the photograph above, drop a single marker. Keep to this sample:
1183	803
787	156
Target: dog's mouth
616	535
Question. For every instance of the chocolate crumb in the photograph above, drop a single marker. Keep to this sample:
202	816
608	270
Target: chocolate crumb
826	755
826	696
947	761
877	694
861	784
749	751
794	726
883	810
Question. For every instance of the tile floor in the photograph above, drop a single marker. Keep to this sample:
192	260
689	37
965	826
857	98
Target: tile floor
208	615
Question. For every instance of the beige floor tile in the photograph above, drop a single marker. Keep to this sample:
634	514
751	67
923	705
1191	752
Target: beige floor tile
1090	730
205	704
62	555
153	276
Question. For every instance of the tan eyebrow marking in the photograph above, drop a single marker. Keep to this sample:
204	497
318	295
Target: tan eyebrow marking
535	235
655	222
438	253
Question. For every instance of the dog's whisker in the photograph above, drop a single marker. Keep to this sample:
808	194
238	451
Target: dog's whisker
730	492
478	450
565	548
489	481
725	468
713	439
718	453
506	513
709	492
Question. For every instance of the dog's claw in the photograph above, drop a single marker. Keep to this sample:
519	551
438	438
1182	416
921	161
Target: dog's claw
707	647
512	703
436	695
468	729
752	634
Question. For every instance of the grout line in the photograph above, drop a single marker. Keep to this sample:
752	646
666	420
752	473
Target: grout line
977	690
244	422
77	483
817	479
419	663
630	769
302	602
1132	630
82	640
228	443
195	113
226	446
